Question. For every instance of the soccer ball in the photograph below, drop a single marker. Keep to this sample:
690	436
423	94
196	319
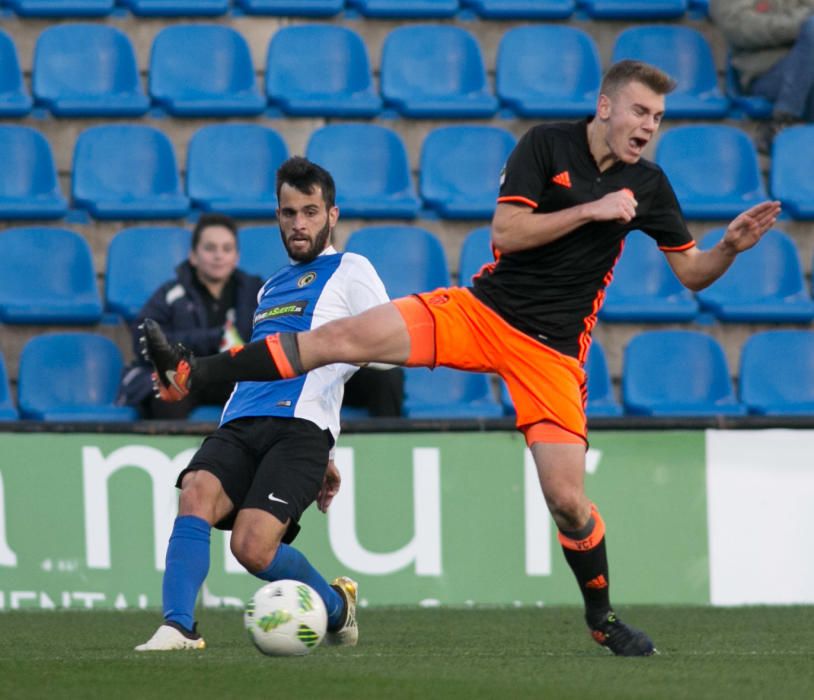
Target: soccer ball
286	618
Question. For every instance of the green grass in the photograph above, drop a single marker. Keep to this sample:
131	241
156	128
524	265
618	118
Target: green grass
408	653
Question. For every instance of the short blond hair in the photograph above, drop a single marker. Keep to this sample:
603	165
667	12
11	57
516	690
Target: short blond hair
624	72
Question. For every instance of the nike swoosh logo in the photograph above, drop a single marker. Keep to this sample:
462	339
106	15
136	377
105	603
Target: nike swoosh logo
272	497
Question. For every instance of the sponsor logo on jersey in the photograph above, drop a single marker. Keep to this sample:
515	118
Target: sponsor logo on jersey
306	279
292	308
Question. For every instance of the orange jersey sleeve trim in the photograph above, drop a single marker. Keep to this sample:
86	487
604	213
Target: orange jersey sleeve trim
678	248
521	200
278	356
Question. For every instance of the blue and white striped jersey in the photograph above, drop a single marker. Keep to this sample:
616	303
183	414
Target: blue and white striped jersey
298	297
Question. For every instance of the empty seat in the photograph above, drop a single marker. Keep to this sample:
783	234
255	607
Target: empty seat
408	9
71	377
332	79
139	260
435	71
713	169
7	409
677	373
29	188
177	8
460	169
601	400
296	8
127	172
634	9
87	70
231	169
408	259
765	284
261	250
685	55
644	287
205	413
476	251
777	373
369	164
448	393
790	176
47	276
14	99
62	8
548	71
522	9
203	70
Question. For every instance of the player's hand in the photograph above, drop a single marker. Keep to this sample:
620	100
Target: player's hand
330	487
615	206
748	228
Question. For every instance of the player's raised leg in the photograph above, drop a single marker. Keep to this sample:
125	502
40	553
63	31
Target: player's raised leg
561	469
377	335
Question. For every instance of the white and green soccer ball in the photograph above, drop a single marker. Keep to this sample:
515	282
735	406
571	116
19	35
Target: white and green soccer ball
286	618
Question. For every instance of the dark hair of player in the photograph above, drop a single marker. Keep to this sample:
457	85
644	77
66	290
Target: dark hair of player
303	175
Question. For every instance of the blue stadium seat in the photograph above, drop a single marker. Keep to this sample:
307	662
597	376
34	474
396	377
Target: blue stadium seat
62	8
139	260
765	284
753	106
435	71
29	188
790	175
634	9
407	258
522	9
370	166
203	70
177	8
292	8
405	9
127	172
460	169
476	251
14	98
677	373
205	414
331	79
685	55
71	377
7	409
601	399
231	169
84	70
713	169
644	287
261	250
777	373
448	393
534	80
47	276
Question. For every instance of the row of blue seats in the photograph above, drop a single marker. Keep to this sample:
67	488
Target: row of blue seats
489	9
75	376
130	171
47	276
427	71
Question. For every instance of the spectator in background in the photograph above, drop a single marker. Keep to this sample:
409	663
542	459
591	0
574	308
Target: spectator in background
208	307
772	48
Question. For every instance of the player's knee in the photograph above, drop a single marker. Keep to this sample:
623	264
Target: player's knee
254	553
200	494
569	509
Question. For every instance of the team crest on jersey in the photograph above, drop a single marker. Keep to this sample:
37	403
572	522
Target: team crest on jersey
438	299
293	308
306	279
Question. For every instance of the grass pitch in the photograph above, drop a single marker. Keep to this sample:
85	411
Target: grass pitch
412	653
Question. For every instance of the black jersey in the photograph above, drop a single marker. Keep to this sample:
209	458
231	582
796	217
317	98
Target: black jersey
553	292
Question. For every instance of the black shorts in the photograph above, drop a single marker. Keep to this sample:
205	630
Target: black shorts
274	464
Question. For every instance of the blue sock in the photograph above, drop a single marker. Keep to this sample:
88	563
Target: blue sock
291	563
186	568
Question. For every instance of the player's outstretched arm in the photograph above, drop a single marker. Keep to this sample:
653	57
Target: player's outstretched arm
697	269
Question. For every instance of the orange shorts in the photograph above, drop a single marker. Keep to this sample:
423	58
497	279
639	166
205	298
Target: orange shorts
450	327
